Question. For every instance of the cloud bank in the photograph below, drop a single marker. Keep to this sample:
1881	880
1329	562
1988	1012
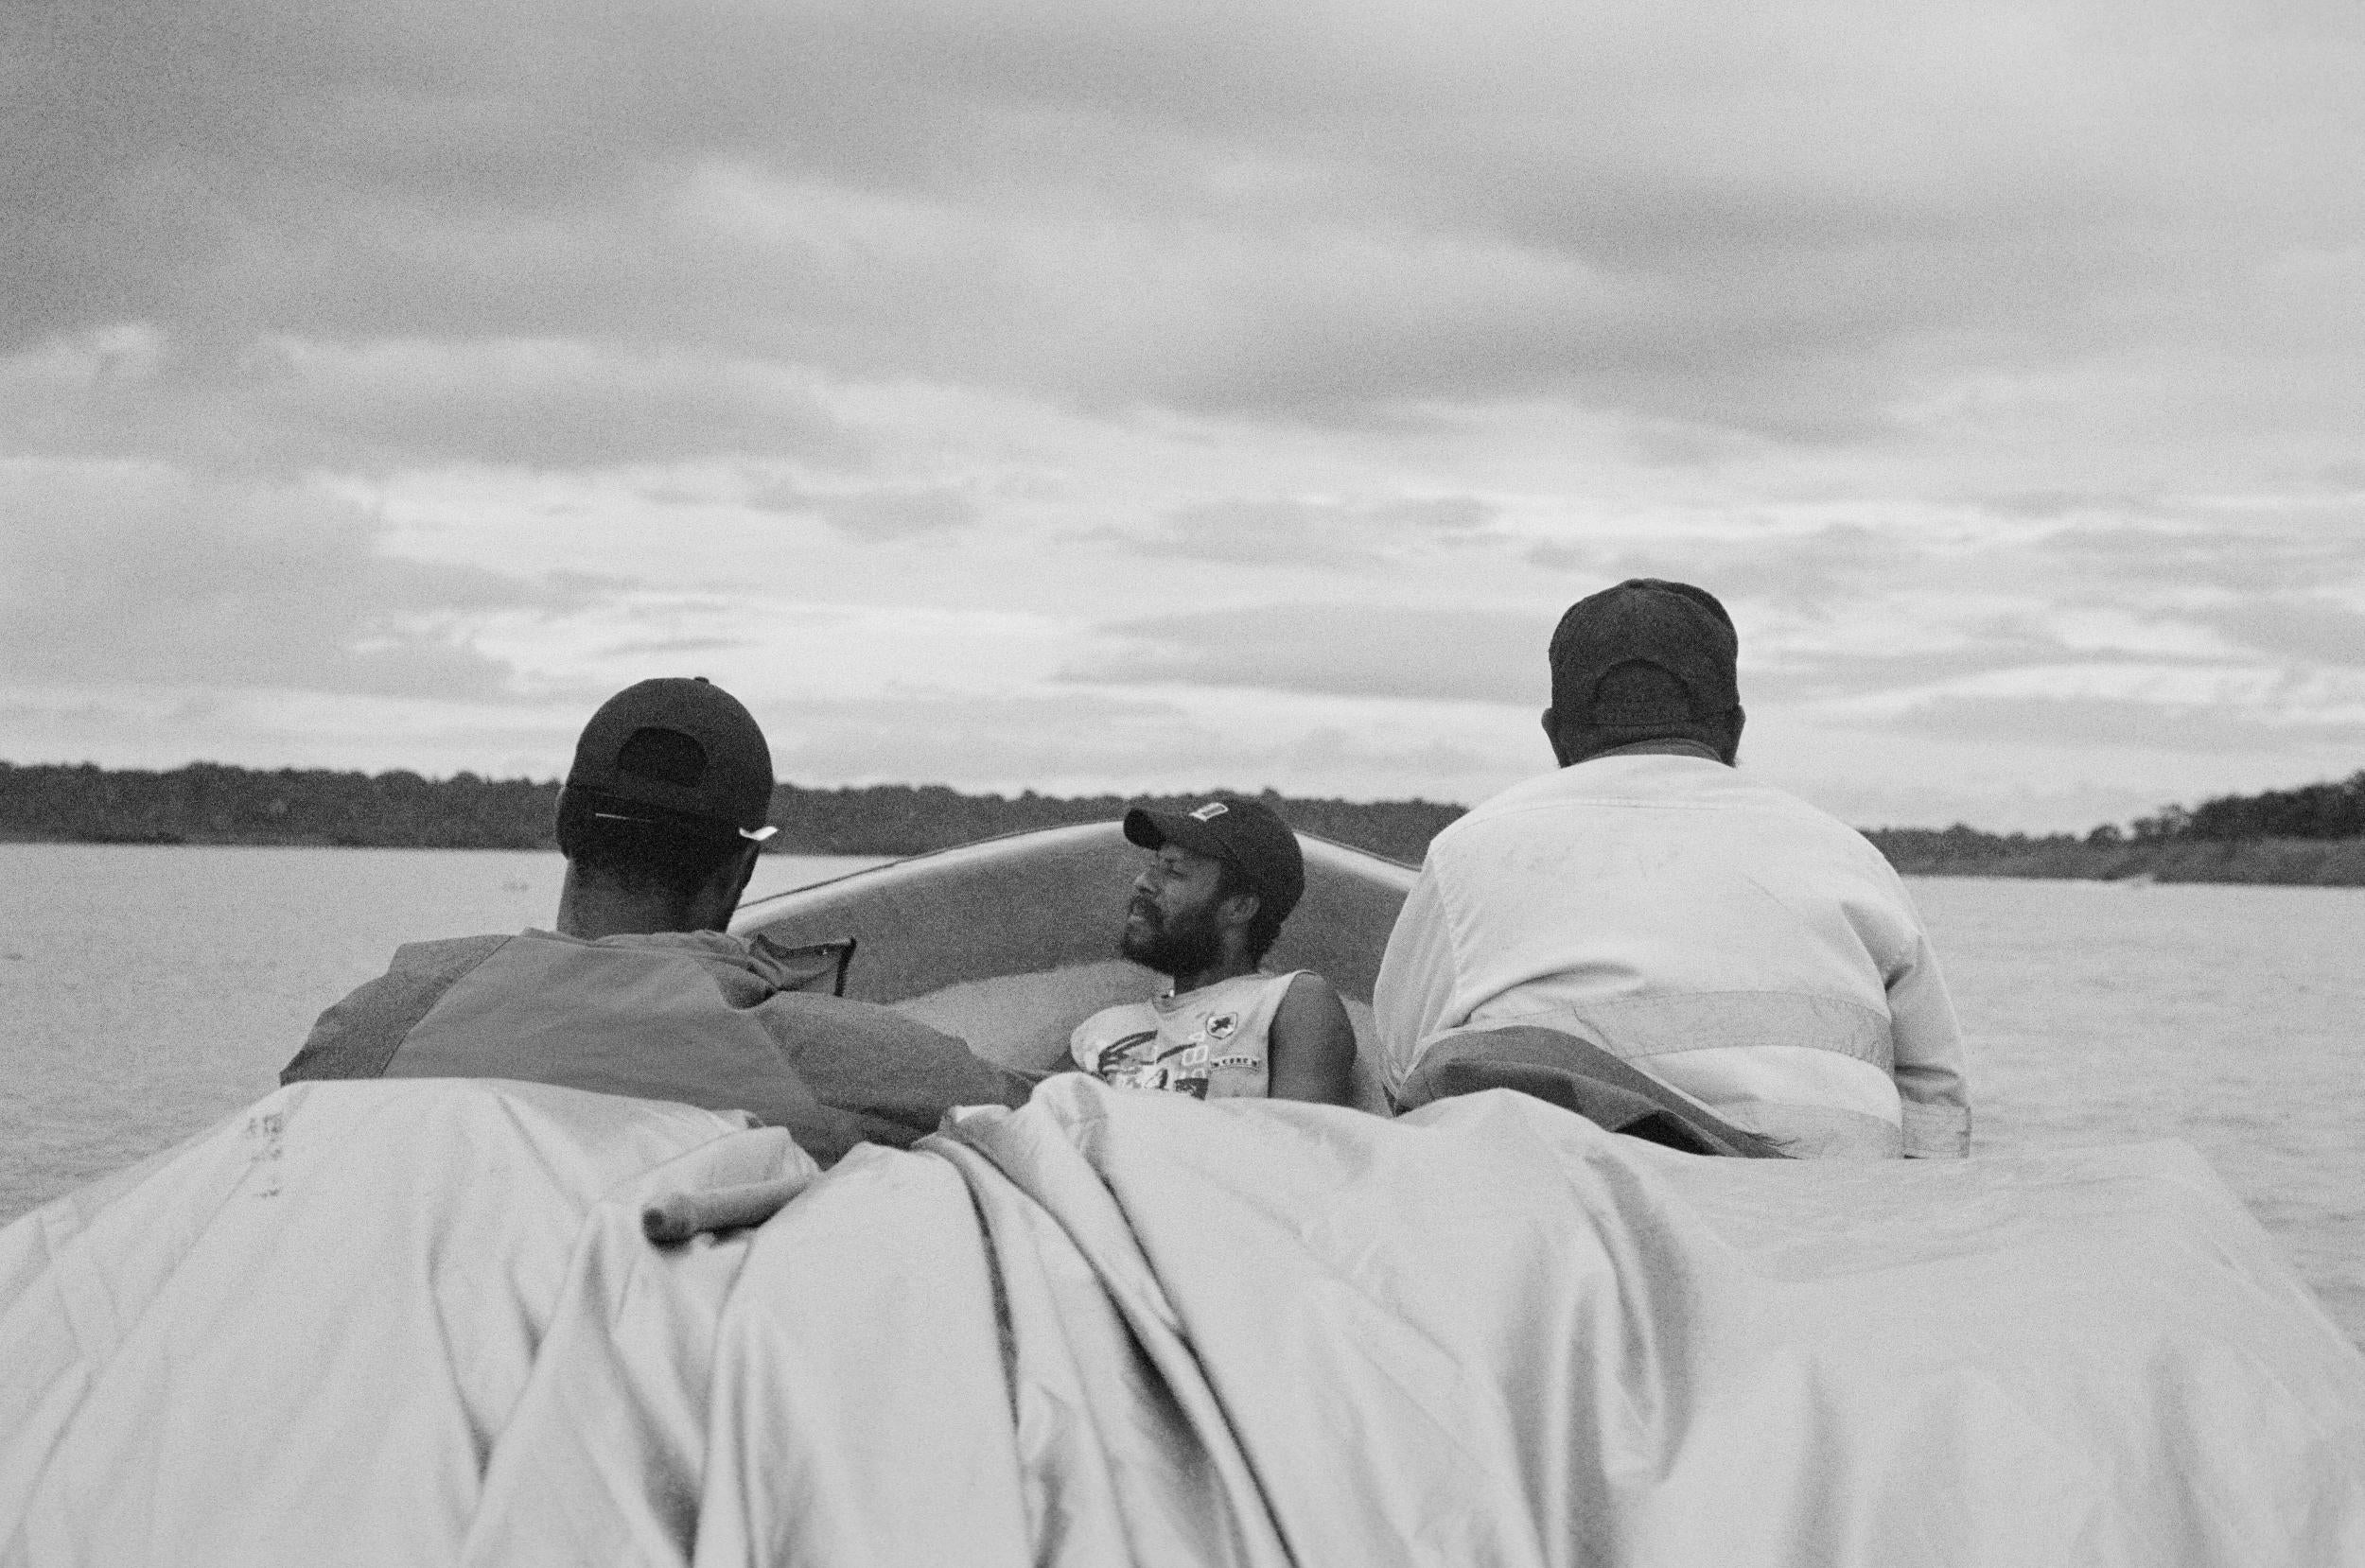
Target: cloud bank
1284	372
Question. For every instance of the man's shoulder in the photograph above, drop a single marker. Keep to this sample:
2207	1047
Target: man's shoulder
447	955
358	1035
1637	780
1598	781
1533	805
1304	992
1654	795
1544	790
1805	819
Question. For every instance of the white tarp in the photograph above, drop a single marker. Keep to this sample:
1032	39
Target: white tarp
415	1322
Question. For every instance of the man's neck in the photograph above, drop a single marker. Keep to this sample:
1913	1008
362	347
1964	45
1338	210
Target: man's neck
592	910
1670	747
1231	967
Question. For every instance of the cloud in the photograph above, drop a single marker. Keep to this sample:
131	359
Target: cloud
1834	613
296	404
163	726
2089	722
1825	675
2055	505
886	514
2306	629
1332	650
1960	343
652	647
2227	555
1064	741
1228	210
135	577
1097	741
1313	533
1815	571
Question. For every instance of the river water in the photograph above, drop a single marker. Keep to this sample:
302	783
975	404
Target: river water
144	992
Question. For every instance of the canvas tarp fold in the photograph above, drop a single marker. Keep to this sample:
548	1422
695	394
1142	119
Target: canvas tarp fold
416	1322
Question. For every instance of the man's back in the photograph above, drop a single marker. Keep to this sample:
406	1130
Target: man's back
1730	939
694	1017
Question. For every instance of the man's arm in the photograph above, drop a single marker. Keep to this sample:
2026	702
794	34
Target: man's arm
1930	1072
1310	1046
1415	993
895	1074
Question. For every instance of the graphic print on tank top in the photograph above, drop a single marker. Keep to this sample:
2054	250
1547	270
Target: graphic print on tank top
1209	1043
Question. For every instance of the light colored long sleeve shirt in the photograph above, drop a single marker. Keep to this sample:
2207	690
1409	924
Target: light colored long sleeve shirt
1726	937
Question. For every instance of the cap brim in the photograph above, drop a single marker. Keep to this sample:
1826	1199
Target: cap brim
1156	829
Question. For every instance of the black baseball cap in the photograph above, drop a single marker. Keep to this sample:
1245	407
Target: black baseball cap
1672	626
1258	843
685	747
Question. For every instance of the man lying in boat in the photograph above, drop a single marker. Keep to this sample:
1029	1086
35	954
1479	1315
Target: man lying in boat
1205	912
1649	905
641	991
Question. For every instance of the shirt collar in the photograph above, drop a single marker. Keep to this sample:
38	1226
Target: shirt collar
1671	747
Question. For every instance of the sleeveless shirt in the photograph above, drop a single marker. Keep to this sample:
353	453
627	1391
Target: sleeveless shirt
1210	1043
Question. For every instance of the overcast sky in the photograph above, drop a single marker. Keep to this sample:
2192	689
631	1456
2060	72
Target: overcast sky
1080	397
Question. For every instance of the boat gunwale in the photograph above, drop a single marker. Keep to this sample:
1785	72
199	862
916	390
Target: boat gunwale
739	918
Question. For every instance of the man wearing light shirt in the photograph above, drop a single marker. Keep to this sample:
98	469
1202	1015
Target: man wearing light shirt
1727	939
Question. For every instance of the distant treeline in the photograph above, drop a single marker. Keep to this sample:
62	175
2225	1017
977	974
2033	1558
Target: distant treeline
2312	834
208	803
2310	812
1965	852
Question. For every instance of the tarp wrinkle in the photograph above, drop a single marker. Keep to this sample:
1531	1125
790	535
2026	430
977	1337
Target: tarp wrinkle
416	1321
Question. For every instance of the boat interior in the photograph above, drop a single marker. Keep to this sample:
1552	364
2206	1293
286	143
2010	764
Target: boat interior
1011	942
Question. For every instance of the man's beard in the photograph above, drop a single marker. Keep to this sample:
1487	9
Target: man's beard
1187	944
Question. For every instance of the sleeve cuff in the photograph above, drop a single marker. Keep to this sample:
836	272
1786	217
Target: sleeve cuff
1936	1132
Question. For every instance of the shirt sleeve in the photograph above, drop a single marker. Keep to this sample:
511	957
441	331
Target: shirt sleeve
1931	1073
894	1074
1415	996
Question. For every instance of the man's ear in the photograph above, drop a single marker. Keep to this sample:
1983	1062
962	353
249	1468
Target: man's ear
1552	733
1238	909
718	899
747	857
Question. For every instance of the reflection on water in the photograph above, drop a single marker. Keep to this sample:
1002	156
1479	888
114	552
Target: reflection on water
2232	1018
144	992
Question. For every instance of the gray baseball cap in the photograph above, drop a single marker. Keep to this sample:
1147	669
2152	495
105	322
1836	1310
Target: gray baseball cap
1243	833
1671	626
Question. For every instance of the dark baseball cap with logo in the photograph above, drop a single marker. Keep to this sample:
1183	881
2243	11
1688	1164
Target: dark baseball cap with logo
1670	626
1248	836
680	749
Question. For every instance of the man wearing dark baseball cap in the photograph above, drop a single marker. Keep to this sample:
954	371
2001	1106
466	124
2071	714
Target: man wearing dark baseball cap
1645	665
1729	941
663	811
1223	875
641	990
